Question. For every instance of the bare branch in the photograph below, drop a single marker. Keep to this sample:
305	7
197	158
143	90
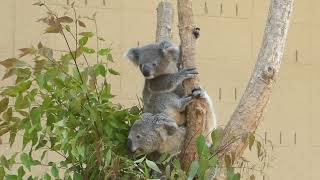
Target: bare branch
249	112
164	21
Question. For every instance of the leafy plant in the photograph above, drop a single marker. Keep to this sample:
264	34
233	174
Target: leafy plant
61	107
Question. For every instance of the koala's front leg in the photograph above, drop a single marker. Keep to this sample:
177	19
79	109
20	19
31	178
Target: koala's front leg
186	100
169	82
183	102
196	93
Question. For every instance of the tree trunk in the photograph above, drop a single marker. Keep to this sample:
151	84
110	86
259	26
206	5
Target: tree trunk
249	112
164	21
196	111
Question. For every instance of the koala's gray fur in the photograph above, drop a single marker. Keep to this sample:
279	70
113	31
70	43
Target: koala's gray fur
163	91
156	133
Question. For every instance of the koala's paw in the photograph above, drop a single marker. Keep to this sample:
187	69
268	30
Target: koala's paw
198	93
188	73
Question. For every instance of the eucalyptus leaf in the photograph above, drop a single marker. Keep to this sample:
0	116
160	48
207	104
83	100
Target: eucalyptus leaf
104	52
4	104
46	176
88	50
114	72
65	19
2	173
193	170
54	171
153	165
83	41
8	63
82	24
21	172
87	34
99	69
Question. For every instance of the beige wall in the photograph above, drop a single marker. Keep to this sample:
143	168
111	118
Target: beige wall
231	33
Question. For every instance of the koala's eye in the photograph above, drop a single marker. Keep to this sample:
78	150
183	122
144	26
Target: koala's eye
138	136
154	64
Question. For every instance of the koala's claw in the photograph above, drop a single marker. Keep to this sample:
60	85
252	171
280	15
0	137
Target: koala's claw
198	93
192	71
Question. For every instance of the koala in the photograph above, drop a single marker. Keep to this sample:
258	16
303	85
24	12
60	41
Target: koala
163	81
161	133
163	91
156	133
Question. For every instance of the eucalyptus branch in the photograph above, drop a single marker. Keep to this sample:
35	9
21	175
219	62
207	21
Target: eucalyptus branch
87	96
84	56
73	56
97	36
87	62
76	24
49	148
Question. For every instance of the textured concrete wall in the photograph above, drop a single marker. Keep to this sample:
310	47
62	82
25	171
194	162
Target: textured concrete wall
231	34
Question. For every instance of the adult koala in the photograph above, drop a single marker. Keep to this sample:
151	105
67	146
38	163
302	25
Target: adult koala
163	91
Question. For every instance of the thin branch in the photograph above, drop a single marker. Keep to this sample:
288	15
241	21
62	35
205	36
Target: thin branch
73	56
97	36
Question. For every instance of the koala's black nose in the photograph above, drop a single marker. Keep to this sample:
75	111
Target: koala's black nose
129	144
146	71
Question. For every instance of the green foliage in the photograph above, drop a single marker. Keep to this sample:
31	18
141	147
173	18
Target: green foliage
62	108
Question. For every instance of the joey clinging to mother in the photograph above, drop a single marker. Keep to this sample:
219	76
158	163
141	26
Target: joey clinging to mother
163	91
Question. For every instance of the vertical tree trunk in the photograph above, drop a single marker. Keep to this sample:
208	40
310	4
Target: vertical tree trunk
249	112
196	111
164	21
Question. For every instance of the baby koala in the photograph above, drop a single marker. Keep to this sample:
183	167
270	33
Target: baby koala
160	132
156	133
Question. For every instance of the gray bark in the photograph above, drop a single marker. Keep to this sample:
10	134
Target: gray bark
164	21
250	110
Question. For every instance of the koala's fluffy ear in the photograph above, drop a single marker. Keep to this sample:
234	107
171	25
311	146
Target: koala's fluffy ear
171	128
170	49
133	55
167	129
